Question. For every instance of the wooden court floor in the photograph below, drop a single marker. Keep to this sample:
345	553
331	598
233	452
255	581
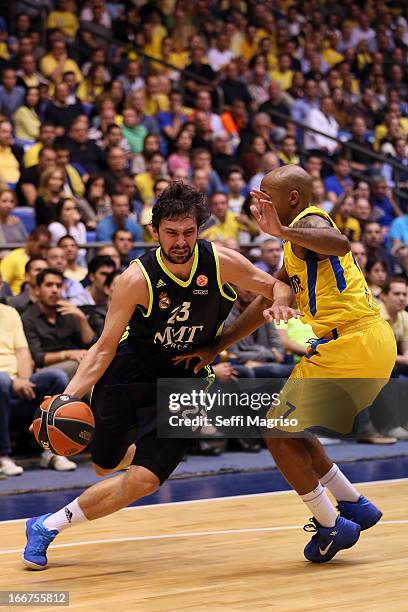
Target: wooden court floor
239	553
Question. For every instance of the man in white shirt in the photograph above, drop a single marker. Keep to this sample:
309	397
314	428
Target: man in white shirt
322	119
220	55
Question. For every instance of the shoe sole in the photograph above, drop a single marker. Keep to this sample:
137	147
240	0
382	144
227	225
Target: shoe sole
31	564
329	558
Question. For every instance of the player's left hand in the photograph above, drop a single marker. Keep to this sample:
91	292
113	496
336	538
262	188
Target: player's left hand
265	214
205	356
279	312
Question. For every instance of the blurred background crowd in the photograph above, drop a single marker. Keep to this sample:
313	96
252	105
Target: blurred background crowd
102	104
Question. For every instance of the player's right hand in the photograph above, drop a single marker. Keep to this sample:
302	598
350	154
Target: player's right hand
205	356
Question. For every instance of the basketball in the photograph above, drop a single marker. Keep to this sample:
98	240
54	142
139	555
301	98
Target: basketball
64	425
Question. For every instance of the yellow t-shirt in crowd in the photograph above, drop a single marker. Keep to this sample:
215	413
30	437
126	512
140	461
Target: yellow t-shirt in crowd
332	57
31	155
12	337
9	166
145	183
12	268
49	64
350	227
63	20
223	231
284	78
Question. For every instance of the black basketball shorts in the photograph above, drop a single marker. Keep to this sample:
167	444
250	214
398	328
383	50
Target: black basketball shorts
125	413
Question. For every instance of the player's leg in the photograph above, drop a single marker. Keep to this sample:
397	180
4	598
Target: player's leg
153	462
100	500
332	532
122	465
351	503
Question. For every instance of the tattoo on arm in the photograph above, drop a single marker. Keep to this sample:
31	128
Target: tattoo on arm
310	222
313	222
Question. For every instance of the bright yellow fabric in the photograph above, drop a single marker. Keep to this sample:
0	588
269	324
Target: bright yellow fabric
12	337
63	20
88	93
31	155
332	57
153	106
49	64
284	78
12	268
360	360
327	299
9	167
222	231
26	123
145	183
350	227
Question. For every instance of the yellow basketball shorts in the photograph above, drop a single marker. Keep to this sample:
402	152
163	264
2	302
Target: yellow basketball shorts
339	377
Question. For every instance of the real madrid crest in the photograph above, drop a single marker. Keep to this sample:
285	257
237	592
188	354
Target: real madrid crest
164	300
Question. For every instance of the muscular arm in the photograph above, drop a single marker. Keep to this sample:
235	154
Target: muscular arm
130	291
315	234
238	270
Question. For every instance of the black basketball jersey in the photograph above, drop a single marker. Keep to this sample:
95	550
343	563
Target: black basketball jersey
181	315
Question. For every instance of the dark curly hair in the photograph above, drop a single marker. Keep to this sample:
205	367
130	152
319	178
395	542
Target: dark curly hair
179	201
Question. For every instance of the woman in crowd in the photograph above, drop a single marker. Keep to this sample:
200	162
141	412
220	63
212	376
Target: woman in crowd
50	193
11	227
26	120
151	144
181	157
376	275
95	205
68	222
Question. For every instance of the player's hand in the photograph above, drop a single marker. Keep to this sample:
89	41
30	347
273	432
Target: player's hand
280	312
205	356
24	388
66	308
265	214
225	371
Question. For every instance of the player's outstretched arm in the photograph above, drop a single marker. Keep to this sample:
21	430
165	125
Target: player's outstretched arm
131	289
313	233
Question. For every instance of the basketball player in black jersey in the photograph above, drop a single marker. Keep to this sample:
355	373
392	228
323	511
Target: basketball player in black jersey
171	300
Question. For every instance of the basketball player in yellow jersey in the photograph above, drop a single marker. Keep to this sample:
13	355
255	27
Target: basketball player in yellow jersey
354	346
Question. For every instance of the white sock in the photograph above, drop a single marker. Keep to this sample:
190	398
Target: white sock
320	506
70	515
339	485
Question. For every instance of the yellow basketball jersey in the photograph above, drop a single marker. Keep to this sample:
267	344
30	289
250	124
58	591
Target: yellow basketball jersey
331	293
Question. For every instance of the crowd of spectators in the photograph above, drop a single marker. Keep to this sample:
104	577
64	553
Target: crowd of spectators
103	103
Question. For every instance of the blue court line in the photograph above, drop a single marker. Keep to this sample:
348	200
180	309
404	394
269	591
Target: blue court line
203	487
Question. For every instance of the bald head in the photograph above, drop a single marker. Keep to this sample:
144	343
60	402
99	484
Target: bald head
290	188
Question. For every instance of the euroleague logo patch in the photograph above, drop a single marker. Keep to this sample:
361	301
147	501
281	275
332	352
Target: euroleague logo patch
202	280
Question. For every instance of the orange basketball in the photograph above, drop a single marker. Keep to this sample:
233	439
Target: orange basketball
64	425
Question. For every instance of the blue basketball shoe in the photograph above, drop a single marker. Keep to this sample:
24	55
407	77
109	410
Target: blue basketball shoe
327	541
363	512
38	540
